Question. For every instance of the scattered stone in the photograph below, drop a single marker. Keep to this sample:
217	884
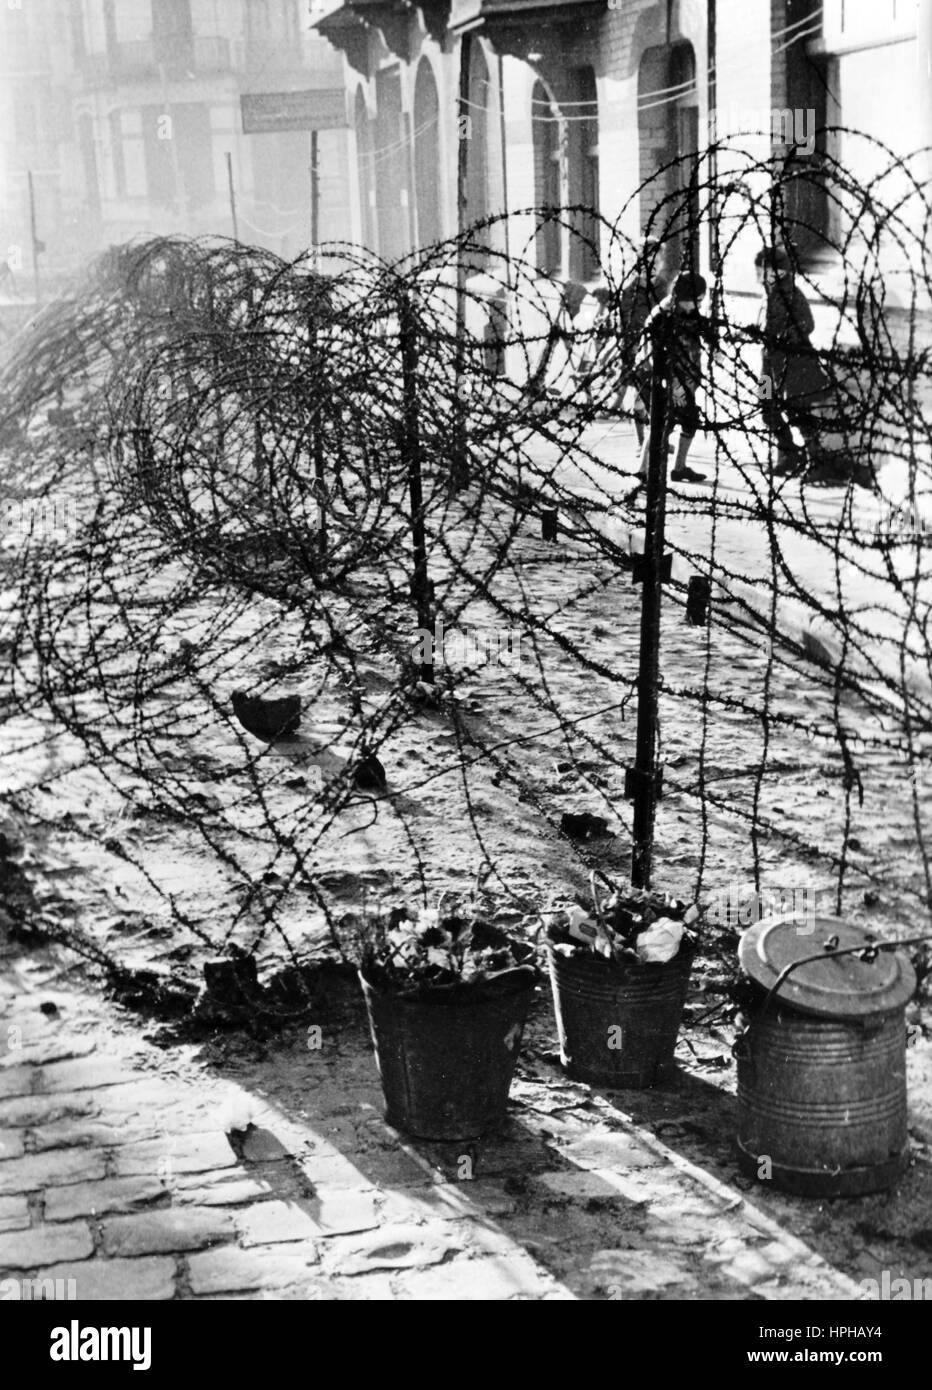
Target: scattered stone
144	1280
41	1245
748	1267
56	1049
628	1273
611	1148
338	1211
223	1189
16	1081
157	1232
31	1111
578	1183
176	1153
11	1143
14	1213
230	1270
74	1134
583	825
479	1280
272	1223
34	1172
86	1073
393	1247
101	1198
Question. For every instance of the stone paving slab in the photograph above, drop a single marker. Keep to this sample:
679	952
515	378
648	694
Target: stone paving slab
143	1187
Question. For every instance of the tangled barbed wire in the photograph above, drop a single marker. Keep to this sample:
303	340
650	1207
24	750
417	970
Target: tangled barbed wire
324	475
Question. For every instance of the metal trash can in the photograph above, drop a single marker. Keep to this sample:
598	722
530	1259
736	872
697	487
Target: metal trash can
822	1061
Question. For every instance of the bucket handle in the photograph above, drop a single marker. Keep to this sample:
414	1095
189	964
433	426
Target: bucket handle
741	1047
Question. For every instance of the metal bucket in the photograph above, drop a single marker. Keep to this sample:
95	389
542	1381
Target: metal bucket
822	1061
618	1023
824	1101
447	1059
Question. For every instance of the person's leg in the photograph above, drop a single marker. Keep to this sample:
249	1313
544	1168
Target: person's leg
776	422
687	416
642	424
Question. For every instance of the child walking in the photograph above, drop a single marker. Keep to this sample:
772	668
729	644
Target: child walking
683	329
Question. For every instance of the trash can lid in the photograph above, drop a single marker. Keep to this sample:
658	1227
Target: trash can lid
831	985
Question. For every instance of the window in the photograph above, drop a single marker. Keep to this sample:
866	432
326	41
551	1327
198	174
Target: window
194	145
160	171
89	163
116	146
172	32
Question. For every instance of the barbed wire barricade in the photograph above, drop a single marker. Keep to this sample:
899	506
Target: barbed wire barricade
410	493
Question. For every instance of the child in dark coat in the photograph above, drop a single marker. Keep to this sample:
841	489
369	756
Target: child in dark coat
682	329
792	379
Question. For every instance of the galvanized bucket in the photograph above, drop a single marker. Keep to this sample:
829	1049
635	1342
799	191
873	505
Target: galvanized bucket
447	1057
618	1023
822	1062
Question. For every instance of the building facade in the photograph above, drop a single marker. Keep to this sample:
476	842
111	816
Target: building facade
603	105
127	113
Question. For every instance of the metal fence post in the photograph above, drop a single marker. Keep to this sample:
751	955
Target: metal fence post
411	452
643	777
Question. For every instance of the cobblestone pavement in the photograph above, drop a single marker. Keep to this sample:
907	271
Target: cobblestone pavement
239	1168
252	1170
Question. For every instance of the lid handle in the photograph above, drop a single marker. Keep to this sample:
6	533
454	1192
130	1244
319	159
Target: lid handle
866	953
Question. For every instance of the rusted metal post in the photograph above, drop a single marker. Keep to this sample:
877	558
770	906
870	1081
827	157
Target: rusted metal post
643	778
411	452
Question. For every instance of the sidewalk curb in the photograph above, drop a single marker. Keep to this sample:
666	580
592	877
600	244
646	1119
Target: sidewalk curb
816	635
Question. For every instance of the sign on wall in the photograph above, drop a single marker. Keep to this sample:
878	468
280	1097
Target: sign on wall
266	112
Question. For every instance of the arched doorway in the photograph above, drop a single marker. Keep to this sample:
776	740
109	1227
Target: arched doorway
427	172
583	174
668	135
546	129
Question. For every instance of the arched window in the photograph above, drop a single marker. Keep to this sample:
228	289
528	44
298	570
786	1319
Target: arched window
546	127
365	173
427	177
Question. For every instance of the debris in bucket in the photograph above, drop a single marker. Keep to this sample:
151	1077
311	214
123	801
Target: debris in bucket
628	925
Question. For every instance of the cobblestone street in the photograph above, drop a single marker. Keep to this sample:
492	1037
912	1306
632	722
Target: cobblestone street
233	1168
246	1170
